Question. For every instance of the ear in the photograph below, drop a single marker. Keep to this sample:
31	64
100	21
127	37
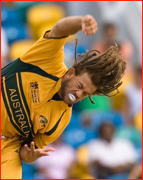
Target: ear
70	73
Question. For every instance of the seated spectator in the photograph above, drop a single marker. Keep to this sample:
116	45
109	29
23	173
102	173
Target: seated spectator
109	156
59	164
132	103
111	36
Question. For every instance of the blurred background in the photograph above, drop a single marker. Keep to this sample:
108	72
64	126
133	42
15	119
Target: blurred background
104	140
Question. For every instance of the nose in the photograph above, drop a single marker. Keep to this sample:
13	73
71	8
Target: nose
80	94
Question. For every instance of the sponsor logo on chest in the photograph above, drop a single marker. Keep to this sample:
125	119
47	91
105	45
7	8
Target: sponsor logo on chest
35	92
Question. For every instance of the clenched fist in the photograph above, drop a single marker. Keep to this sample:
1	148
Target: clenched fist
89	25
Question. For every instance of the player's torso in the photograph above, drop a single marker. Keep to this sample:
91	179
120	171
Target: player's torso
26	102
51	118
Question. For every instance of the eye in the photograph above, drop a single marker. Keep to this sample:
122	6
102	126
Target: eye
79	86
85	94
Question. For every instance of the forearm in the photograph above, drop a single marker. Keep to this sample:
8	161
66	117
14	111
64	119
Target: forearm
122	168
66	26
136	172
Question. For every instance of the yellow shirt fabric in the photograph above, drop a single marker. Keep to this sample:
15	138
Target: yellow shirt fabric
30	105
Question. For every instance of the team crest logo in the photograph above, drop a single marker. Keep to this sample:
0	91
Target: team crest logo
43	120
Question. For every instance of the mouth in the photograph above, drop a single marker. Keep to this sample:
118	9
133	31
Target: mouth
72	97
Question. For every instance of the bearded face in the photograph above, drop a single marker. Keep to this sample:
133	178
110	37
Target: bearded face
75	88
67	94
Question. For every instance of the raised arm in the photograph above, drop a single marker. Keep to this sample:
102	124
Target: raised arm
72	24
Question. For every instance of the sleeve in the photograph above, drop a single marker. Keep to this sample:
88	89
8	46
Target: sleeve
57	122
42	140
47	53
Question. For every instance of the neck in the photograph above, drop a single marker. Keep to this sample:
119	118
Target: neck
59	92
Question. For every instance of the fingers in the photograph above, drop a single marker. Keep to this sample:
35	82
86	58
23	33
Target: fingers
88	19
89	25
32	146
26	148
90	30
50	149
44	152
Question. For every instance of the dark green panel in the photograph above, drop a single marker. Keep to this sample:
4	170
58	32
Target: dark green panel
56	97
8	111
16	103
56	125
20	66
23	96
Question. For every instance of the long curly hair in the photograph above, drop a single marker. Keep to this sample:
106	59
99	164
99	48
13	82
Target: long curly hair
105	70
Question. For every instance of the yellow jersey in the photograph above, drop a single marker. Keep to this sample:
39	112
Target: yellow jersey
30	105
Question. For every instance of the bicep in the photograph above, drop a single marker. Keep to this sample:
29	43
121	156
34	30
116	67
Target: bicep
57	32
45	49
53	33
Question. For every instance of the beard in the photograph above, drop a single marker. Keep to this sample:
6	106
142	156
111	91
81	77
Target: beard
65	86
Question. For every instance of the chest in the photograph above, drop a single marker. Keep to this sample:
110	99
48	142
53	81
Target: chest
52	116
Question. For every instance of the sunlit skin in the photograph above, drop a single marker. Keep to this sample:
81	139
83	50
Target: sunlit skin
80	86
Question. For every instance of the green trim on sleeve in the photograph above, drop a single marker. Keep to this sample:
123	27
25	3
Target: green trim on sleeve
53	37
